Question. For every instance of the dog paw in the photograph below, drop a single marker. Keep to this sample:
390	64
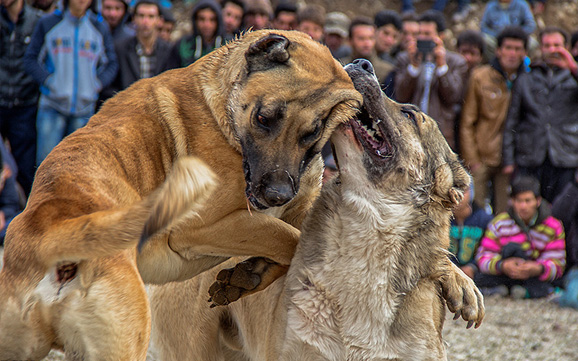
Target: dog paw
244	279
463	297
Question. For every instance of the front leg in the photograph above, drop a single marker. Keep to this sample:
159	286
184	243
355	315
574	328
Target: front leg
462	295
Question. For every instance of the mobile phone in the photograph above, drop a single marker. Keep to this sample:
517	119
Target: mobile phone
425	46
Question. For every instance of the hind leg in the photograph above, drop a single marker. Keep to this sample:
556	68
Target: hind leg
107	316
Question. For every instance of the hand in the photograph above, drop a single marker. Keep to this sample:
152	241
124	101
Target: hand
439	52
415	57
531	269
468	270
475	166
508	169
563	59
511	267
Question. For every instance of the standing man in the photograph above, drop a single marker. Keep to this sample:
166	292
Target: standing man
116	14
285	16
18	91
362	41
484	115
145	54
207	35
432	77
387	35
71	55
541	133
233	12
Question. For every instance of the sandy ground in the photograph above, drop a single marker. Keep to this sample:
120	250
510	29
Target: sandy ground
513	330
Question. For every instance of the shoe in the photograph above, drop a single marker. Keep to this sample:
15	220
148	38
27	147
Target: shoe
501	290
518	292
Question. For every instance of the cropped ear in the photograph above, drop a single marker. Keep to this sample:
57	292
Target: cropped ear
267	52
450	183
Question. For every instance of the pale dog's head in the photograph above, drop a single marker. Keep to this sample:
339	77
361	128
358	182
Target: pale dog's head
396	148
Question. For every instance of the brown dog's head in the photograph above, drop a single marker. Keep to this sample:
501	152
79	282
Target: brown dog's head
397	147
287	98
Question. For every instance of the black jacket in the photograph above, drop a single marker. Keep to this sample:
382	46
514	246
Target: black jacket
543	119
129	65
565	208
17	88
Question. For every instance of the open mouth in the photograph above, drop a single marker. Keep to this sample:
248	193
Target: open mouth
369	133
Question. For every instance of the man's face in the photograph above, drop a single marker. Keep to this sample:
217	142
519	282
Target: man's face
285	20
409	32
363	40
113	11
165	30
78	7
333	41
386	38
232	17
206	21
315	31
511	54
146	19
257	21
526	205
472	54
428	31
551	46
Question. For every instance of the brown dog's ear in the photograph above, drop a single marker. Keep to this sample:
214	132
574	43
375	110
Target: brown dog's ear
450	183
267	52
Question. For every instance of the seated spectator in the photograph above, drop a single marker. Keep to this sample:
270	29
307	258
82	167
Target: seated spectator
466	232
501	13
388	34
432	77
10	198
145	54
285	16
207	35
166	24
311	21
335	35
258	14
233	12
524	248
362	41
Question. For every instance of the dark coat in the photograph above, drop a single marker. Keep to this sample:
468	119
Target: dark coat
565	208
542	119
129	65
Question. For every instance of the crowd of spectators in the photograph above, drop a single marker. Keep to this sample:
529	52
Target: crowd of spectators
505	97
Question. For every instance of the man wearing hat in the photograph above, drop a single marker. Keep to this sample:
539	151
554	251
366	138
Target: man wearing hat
335	34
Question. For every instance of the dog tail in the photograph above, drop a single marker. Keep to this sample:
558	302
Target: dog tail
185	190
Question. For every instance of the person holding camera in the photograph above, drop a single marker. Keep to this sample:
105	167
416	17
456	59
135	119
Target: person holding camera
430	76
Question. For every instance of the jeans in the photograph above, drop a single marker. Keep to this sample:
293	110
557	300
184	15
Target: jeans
18	125
52	127
439	5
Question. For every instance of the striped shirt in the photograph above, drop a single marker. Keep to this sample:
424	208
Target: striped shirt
543	242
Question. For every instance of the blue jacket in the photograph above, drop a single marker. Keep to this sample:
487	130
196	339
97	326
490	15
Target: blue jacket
496	18
72	59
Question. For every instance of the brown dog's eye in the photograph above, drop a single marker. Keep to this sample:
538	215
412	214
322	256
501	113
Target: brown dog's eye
263	121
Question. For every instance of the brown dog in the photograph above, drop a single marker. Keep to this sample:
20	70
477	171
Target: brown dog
256	111
371	271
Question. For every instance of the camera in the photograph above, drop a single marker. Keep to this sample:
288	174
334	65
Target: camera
425	46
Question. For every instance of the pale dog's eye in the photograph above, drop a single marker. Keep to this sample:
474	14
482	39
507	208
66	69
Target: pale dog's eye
409	115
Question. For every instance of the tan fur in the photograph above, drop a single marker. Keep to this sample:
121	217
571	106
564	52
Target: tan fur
72	277
370	273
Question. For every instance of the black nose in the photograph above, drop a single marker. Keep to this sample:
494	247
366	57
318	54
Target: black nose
365	65
279	188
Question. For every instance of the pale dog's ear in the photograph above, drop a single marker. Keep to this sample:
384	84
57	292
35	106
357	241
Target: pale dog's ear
267	52
450	183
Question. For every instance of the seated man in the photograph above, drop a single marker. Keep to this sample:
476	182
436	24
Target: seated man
524	248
